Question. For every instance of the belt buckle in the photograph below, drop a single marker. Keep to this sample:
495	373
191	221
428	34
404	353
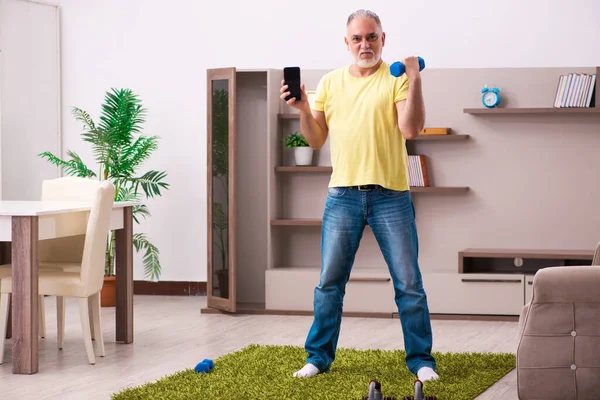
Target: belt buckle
365	188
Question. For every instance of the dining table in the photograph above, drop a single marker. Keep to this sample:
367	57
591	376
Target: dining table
22	225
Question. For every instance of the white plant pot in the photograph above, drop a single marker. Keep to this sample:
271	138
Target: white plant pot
303	155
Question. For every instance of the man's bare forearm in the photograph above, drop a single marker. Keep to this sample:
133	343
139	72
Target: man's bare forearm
311	130
413	117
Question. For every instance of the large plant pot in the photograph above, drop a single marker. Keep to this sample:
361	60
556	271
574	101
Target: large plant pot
108	294
303	155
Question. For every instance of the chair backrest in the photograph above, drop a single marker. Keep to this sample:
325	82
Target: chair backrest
69	188
96	239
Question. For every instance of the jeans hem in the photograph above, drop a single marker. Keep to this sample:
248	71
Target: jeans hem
420	365
319	366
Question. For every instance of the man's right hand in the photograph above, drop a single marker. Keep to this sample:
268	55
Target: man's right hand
300	105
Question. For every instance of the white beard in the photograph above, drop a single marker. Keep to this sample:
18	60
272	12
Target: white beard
367	62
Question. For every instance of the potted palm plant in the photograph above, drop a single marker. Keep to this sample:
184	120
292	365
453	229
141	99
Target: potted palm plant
303	153
119	150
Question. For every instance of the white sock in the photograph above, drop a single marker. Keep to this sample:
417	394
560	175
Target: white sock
427	374
307	371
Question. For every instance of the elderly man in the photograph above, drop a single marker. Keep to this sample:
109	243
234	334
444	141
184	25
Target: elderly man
367	114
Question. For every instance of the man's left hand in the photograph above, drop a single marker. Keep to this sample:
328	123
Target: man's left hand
411	65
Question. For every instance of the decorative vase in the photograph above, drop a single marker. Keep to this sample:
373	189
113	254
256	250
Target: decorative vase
303	155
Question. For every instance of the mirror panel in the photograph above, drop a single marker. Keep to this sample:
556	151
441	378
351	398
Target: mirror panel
220	186
221	181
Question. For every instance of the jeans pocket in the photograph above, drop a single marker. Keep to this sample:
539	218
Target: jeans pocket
336	191
393	193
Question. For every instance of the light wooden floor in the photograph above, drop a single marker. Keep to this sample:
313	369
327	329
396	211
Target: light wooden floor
171	334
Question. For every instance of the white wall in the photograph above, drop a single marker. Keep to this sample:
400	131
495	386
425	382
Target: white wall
162	50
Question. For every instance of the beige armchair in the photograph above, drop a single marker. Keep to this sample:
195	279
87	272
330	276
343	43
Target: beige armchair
558	353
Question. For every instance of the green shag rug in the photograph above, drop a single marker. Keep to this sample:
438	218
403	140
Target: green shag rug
265	372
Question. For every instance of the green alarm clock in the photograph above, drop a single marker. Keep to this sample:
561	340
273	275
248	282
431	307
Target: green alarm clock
490	97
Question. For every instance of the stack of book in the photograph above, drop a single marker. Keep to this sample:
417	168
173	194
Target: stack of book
575	90
417	171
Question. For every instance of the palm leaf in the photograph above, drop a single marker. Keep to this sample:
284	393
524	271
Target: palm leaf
85	118
139	152
151	182
122	116
141	210
73	167
128	194
152	268
96	136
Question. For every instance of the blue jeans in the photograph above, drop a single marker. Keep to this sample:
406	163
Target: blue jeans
391	216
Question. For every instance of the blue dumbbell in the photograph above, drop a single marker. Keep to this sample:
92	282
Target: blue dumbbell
204	366
397	68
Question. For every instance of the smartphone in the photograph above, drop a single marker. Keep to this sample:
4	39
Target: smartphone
291	77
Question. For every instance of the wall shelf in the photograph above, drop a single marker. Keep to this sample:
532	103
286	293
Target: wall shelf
311	168
296	222
435	138
539	110
439	189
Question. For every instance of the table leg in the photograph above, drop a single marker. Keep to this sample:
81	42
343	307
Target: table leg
124	278
25	295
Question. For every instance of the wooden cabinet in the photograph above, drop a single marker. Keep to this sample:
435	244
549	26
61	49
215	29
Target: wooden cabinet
484	267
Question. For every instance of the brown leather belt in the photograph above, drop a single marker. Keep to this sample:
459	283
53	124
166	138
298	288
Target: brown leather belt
366	188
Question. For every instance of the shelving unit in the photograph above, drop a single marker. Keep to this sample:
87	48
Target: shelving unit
289	281
276	210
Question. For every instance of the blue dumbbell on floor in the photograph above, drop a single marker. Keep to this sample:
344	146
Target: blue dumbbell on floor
397	68
204	366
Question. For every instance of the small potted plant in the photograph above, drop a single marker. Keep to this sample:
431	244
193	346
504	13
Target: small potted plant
303	153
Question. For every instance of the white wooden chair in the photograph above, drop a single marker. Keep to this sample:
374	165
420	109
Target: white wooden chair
64	253
84	284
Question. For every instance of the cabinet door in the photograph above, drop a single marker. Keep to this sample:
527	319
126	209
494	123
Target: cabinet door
30	95
221	135
481	294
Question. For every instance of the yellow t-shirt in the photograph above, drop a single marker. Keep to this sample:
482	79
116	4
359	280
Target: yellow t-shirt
366	144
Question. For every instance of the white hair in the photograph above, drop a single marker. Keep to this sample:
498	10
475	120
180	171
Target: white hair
364	14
